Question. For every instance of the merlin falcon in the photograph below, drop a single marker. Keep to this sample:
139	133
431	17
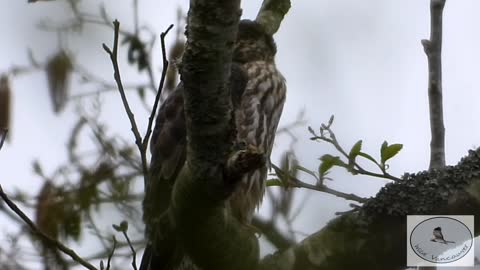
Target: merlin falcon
258	93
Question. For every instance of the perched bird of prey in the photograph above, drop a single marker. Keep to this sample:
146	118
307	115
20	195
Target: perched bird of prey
438	236
258	93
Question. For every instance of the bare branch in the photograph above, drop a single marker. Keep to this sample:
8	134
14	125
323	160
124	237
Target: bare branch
433	50
3	136
113	56
272	233
135	17
141	144
132	249
160	87
111	253
295	182
108	251
45	237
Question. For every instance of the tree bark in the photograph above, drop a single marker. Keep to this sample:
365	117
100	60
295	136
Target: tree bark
433	50
211	238
208	235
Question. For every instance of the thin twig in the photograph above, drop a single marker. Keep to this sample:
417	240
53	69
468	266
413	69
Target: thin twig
96	231
160	86
385	175
357	169
433	50
113	56
134	253
105	253
141	144
341	213
10	214
45	237
295	182
111	253
323	188
3	136
135	17
105	90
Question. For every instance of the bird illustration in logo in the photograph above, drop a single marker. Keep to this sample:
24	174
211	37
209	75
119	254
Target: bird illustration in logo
438	236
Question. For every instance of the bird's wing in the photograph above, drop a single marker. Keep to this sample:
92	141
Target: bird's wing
168	147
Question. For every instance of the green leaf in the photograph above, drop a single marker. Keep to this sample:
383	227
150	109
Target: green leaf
274	183
307	171
356	148
367	156
328	161
383	150
389	151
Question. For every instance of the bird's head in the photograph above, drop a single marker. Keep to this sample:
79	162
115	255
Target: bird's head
253	43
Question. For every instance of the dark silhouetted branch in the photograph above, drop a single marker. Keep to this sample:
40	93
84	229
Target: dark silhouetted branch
3	136
113	57
272	234
43	236
141	144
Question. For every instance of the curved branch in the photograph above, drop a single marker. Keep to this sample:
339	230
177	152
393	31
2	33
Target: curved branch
113	57
42	235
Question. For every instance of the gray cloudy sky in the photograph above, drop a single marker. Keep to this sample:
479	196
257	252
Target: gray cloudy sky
359	60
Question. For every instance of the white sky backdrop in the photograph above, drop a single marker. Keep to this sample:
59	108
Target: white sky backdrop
359	60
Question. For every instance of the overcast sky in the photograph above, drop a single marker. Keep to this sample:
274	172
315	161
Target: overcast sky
359	60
